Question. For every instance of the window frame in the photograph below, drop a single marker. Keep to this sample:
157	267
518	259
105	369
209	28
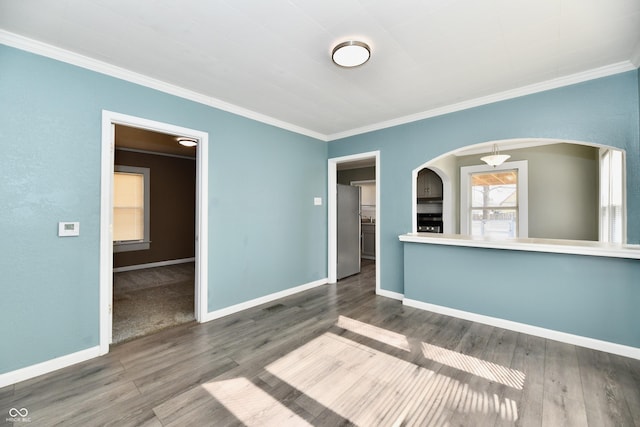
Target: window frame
145	243
522	191
605	191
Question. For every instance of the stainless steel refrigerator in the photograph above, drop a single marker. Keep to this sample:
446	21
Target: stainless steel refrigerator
348	207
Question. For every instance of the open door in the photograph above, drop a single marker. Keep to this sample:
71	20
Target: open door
348	217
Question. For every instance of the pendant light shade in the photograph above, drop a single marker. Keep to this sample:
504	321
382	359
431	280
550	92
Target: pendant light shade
495	158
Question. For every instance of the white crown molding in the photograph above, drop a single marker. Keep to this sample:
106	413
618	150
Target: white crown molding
571	79
50	51
53	52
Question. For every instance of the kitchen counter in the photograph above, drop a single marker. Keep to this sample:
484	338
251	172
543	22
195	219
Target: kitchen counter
576	247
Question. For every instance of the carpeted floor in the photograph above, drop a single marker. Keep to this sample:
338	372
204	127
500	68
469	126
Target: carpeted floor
146	301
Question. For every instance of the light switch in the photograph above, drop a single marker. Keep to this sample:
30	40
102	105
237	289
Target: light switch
66	229
317	201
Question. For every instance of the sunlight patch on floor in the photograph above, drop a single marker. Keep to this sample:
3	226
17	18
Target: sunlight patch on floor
375	333
251	405
481	368
369	387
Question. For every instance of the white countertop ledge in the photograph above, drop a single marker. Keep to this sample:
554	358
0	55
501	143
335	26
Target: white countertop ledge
575	247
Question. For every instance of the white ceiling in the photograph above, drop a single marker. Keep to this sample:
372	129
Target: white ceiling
272	57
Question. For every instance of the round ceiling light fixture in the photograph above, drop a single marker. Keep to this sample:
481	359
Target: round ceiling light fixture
187	142
351	54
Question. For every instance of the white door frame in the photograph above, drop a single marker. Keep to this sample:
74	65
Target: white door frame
109	120
332	171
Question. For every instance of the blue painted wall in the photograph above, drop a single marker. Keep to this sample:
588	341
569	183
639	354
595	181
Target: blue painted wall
265	233
589	296
604	111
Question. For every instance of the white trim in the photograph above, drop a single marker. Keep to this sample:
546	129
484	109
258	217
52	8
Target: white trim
332	229
262	300
54	52
50	51
51	365
596	73
555	246
109	119
595	344
390	294
153	264
601	152
512	144
106	227
522	194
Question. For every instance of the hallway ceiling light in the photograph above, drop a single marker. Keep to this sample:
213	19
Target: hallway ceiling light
187	142
495	158
351	54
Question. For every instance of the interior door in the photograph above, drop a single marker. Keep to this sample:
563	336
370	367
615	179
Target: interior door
348	209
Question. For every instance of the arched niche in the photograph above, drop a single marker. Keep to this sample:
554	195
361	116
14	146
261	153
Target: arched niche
555	166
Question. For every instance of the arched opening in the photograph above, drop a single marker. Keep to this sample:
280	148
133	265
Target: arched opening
576	190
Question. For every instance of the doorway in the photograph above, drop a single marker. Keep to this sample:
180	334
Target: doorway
153	231
370	159
109	121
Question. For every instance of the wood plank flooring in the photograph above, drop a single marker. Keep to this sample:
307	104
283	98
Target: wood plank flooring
337	355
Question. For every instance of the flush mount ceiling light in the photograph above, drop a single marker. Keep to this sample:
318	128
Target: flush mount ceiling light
351	54
495	159
187	142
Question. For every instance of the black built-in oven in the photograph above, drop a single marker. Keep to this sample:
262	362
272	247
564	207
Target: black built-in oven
430	222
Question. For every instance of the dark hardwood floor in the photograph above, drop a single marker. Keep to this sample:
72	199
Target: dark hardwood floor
336	355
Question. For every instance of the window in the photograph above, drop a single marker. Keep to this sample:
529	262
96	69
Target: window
493	201
130	208
611	196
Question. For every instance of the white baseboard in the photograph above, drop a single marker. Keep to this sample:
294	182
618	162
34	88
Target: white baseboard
578	340
48	366
262	300
153	264
390	294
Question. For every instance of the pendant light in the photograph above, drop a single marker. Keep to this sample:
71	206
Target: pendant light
495	158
